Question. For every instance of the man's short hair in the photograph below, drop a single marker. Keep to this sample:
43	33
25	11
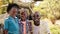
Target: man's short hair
10	6
36	13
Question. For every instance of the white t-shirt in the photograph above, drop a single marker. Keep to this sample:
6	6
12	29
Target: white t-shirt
42	29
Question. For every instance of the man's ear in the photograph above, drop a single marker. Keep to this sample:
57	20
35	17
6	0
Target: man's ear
39	17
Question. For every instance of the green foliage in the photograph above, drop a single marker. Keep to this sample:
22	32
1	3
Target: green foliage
49	8
3	2
55	29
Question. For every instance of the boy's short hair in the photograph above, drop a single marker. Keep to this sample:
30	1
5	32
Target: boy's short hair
10	6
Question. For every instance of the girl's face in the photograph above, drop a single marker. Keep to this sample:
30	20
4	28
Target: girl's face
13	11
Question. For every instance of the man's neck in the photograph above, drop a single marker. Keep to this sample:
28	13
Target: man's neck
23	19
37	21
13	16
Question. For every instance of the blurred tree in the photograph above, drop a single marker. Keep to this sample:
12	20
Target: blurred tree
38	0
1	3
49	8
2	7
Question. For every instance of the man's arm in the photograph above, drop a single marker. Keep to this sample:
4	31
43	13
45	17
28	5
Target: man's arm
30	27
48	33
5	27
48	30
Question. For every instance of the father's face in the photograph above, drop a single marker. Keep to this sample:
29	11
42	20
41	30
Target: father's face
36	17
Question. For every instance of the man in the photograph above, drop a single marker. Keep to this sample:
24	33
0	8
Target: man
11	23
39	27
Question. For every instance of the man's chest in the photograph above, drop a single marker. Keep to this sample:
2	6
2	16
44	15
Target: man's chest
13	23
24	24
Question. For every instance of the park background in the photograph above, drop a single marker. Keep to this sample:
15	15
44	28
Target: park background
48	9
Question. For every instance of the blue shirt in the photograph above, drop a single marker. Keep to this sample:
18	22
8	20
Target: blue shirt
11	25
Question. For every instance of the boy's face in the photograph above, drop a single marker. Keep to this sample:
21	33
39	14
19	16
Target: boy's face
13	11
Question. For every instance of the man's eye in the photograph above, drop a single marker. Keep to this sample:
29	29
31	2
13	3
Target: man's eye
37	15
33	16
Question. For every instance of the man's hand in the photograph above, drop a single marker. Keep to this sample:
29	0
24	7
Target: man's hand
48	33
5	32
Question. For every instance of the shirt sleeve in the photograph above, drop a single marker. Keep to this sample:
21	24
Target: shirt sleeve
48	30
6	25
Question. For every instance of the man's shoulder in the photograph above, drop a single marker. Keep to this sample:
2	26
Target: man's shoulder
42	22
16	17
6	18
